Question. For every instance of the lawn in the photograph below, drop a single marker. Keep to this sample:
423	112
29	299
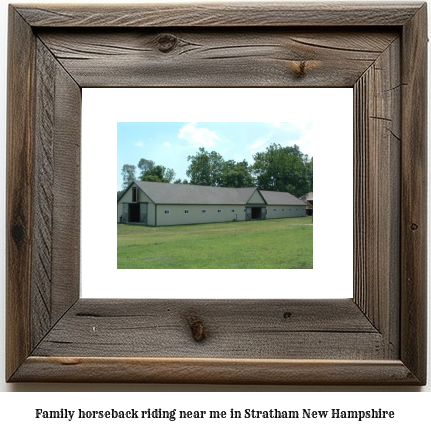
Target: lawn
264	244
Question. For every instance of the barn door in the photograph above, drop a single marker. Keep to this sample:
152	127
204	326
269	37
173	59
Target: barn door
248	213
263	213
143	213
125	218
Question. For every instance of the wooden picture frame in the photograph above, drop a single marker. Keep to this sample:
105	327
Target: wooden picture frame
378	337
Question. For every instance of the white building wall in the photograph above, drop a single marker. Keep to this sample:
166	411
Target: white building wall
256	198
176	214
283	211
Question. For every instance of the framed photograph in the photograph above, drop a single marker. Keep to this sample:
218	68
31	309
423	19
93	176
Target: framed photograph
378	337
247	250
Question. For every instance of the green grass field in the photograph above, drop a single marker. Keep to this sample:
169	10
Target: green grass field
264	244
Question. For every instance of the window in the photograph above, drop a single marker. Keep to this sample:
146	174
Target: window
275	209
233	211
282	209
167	211
204	211
219	211
186	211
134	194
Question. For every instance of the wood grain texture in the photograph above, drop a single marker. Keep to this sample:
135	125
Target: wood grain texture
43	194
413	191
215	371
220	14
19	199
216	58
268	329
378	338
67	194
377	148
55	268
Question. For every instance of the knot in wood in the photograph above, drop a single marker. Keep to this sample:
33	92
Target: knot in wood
18	233
197	328
300	69
414	226
167	42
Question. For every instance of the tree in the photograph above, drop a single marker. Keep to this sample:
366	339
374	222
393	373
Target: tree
159	174
237	174
284	169
144	166
210	169
169	175
309	168
206	168
128	173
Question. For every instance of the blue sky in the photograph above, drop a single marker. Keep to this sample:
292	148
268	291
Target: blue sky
169	144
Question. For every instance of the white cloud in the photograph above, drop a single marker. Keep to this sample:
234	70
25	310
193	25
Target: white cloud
198	136
138	144
311	134
167	144
257	144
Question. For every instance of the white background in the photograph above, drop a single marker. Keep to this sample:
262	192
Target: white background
16	409
330	111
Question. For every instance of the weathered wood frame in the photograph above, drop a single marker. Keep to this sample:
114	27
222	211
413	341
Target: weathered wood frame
379	337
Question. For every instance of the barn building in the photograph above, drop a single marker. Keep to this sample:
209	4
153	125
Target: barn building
163	204
308	199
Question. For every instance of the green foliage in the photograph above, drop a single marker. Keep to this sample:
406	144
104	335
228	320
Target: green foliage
169	174
144	166
205	168
266	244
179	181
210	169
238	174
284	169
278	168
149	172
309	173
128	173
158	174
